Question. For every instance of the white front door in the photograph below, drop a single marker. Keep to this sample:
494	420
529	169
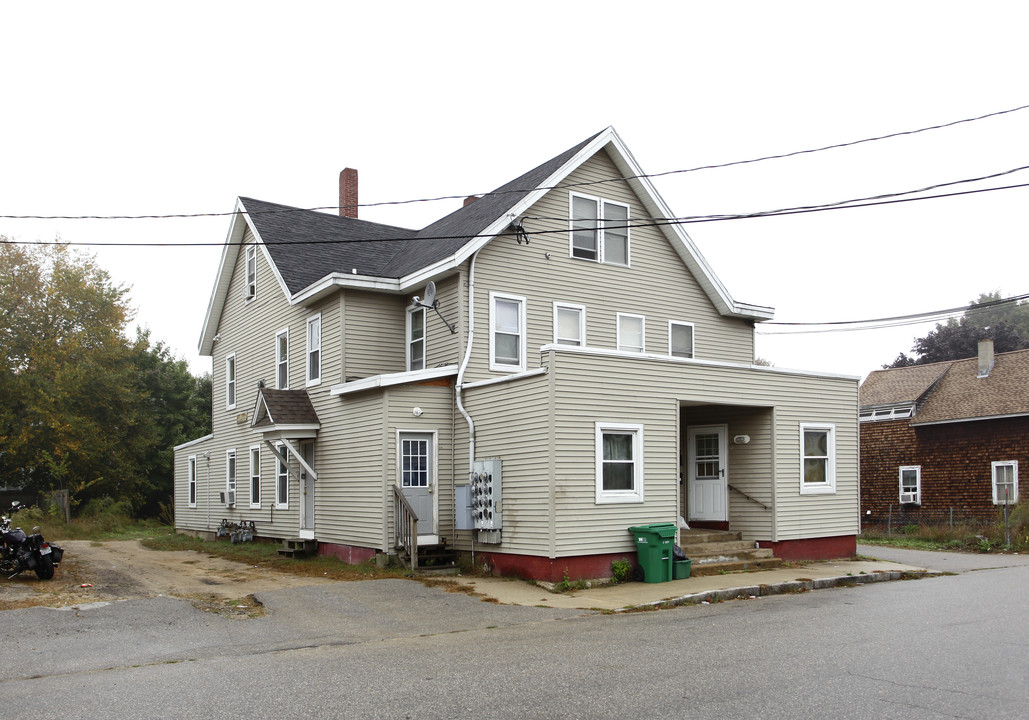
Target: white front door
418	481
307	493
708	485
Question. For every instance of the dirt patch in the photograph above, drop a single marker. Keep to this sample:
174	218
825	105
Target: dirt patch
123	569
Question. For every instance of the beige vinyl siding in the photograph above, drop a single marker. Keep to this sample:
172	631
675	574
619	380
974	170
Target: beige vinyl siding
248	329
349	456
748	465
511	421
441	346
437	405
376	334
657	285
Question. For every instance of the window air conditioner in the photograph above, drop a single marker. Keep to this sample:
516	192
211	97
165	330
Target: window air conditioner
230	498
909	497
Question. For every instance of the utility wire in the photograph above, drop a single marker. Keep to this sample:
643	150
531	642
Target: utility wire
889	322
524	190
650	222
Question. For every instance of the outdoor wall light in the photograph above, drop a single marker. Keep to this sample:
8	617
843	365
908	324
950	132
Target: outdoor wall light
741	439
417	412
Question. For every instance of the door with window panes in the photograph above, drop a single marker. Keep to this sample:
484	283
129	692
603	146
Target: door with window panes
708	487
417	479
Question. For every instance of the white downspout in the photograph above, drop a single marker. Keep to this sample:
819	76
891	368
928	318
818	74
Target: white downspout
466	359
460	376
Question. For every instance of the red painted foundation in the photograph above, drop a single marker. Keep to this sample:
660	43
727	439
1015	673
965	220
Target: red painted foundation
529	567
350	554
823	548
709	524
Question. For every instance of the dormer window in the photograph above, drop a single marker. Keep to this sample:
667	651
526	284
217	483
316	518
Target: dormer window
251	291
599	230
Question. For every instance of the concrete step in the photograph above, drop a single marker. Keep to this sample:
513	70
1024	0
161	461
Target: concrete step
711	548
734	566
700	535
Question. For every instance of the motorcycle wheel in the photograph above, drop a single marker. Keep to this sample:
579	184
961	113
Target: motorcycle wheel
45	568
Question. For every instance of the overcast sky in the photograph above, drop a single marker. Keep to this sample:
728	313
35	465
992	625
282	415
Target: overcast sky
137	108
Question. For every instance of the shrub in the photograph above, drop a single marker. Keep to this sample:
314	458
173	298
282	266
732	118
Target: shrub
621	570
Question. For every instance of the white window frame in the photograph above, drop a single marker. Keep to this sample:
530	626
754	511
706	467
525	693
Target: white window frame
643	333
231	468
282	366
311	379
997	496
250	273
191	474
600	215
281	480
411	340
693	338
827	487
255	476
522	335
231	373
917	469
581	310
635	495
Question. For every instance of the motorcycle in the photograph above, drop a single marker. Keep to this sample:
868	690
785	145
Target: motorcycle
21	551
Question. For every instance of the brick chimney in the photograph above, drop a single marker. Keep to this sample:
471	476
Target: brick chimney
985	357
469	200
348	193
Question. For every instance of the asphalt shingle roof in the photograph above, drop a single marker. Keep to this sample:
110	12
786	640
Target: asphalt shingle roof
951	391
287	407
306	245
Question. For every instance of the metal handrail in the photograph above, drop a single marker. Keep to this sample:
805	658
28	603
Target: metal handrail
405	526
752	499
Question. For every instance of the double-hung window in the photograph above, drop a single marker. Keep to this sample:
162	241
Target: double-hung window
255	476
631	329
251	270
619	453
817	459
599	230
230	477
569	324
191	469
1005	482
911	484
281	482
507	332
416	339
230	382
314	350
282	359
680	339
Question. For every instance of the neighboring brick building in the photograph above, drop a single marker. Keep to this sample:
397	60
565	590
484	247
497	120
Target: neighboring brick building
944	437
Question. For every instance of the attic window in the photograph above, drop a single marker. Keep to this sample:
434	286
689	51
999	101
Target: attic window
251	291
599	230
890	413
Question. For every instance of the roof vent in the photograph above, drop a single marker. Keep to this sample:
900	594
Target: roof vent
985	358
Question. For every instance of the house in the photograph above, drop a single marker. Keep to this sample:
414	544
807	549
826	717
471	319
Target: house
944	438
529	376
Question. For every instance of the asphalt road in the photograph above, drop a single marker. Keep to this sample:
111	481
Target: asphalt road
950	646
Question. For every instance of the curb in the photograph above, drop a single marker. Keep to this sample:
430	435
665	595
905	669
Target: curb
746	592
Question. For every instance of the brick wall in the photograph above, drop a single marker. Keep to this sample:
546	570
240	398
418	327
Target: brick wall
956	467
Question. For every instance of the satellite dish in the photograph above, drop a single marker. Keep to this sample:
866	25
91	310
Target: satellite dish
430	295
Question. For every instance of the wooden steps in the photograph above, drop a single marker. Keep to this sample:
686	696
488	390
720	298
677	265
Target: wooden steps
716	552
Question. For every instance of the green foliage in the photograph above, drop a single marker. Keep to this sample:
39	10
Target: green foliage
621	570
565	585
910	529
986	318
81	407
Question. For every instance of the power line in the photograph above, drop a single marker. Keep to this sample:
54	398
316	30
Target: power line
651	222
176	216
890	322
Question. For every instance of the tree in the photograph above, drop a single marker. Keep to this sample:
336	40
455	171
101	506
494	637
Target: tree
81	407
988	318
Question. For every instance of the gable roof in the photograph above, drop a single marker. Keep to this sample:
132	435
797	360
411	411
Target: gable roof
952	391
284	408
312	253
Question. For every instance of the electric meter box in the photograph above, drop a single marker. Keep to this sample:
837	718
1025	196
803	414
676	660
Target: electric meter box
487	499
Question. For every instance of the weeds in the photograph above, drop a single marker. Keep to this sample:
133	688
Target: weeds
984	538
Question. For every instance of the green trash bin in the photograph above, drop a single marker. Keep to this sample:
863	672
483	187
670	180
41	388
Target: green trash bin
654	545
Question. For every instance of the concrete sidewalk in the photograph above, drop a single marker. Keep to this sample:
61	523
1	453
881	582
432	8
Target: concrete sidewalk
630	595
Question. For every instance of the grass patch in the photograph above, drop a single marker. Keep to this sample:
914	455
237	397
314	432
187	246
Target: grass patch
266	555
979	537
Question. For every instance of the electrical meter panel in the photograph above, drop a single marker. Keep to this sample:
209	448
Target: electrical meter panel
486	496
